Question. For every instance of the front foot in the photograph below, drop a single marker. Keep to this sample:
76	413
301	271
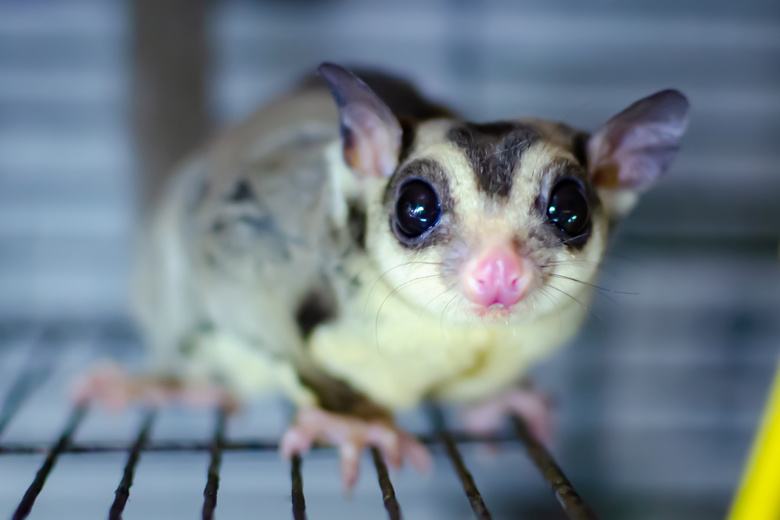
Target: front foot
112	386
351	435
534	408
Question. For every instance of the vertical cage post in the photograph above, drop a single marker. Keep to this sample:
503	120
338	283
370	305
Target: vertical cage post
388	493
469	486
298	502
122	492
572	503
212	481
25	506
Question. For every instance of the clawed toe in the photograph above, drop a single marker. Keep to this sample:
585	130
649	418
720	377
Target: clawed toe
351	435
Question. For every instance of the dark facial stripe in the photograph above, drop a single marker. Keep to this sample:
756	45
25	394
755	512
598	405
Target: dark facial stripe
494	150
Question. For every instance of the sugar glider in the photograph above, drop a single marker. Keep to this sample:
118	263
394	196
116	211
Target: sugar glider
361	249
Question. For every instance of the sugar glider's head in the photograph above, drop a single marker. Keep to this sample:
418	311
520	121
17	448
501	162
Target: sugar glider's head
499	222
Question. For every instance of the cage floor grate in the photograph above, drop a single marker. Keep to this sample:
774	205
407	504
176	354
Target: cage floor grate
46	346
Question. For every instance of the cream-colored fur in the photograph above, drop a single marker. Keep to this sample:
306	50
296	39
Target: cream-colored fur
224	308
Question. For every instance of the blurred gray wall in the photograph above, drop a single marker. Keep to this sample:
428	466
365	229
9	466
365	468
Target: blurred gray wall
66	164
662	392
66	181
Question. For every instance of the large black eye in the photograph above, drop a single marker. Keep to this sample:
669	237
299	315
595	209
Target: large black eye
417	209
568	208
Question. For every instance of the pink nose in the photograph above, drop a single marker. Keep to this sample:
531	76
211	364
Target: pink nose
497	276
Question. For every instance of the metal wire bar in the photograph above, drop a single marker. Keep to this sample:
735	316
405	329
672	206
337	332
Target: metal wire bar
159	446
388	493
25	506
298	502
17	448
472	493
212	482
123	491
574	506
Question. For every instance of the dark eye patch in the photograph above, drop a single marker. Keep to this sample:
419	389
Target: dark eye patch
426	169
566	202
568	209
414	190
417	210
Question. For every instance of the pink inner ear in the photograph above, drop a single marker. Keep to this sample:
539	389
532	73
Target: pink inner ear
602	164
374	144
634	148
371	133
623	158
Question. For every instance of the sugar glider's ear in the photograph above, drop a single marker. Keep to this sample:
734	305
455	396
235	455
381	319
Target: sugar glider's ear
628	153
370	132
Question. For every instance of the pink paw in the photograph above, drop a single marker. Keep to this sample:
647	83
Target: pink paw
112	386
351	435
106	383
532	407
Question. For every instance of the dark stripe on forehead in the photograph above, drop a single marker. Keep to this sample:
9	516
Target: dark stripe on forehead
494	150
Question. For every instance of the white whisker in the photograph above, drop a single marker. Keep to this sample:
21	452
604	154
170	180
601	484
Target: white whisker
376	321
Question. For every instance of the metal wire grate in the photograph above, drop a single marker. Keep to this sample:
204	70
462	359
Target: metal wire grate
30	377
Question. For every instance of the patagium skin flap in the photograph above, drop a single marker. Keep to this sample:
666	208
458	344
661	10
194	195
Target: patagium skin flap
360	248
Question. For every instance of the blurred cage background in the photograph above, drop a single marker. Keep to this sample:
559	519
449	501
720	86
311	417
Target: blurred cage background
656	401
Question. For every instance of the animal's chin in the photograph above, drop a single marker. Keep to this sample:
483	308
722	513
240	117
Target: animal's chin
496	311
495	315
474	315
498	314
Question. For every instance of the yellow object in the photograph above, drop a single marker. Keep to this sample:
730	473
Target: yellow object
759	493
